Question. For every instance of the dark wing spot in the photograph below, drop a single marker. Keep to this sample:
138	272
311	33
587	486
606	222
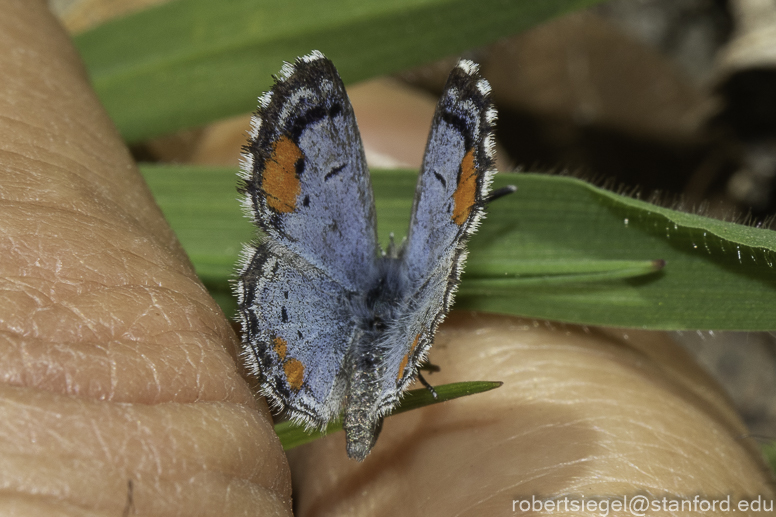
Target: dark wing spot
440	178
285	294
284	315
334	172
281	386
306	201
298	333
306	120
461	125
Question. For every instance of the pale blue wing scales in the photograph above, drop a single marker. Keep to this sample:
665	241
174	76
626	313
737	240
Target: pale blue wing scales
413	338
455	176
449	203
305	175
297	327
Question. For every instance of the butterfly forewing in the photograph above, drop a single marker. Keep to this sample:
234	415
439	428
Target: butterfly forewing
305	173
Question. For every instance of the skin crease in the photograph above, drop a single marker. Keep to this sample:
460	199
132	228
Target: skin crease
117	366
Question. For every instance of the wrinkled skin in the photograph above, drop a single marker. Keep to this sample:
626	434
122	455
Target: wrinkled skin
117	366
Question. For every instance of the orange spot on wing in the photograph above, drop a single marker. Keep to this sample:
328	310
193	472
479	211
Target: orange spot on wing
406	358
294	373
402	366
279	179
293	368
279	346
464	196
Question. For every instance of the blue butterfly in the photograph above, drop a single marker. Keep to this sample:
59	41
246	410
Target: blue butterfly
330	321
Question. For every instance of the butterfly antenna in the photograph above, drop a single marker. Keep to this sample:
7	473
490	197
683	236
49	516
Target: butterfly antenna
501	192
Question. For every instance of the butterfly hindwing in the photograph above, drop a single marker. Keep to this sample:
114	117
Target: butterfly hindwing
305	172
296	321
411	340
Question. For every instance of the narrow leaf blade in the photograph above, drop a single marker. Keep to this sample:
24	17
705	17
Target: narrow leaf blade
292	436
717	275
188	62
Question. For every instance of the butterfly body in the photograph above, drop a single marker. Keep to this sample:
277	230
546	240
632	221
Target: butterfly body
330	321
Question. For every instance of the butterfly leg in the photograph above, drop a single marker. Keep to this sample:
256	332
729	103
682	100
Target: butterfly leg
428	386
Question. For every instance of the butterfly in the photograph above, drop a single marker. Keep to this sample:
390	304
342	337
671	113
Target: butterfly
330	321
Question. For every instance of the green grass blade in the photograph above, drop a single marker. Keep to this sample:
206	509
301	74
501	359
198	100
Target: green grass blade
563	268
717	275
293	436
188	62
554	273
